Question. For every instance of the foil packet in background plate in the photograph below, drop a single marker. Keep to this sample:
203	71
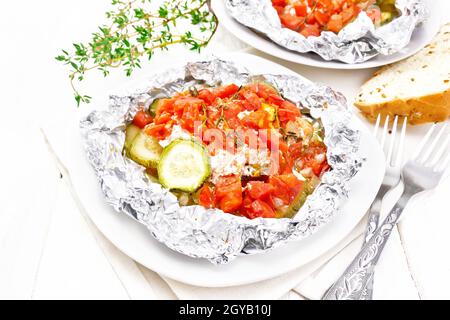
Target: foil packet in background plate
210	233
357	42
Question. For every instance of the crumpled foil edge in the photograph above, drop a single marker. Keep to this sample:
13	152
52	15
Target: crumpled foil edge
359	41
210	233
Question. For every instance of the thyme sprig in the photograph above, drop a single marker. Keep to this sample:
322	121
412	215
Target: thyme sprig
135	30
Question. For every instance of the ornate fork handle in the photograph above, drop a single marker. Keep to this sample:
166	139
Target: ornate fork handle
372	225
352	284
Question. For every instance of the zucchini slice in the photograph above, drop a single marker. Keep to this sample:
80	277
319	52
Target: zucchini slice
299	200
154	106
145	150
130	134
184	165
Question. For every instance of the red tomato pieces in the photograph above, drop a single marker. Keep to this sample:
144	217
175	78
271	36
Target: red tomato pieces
301	10
259	189
256	120
206	197
257	116
227	91
288	111
259	209
314	157
229	193
311	17
141	119
292	21
310	30
336	23
280	3
158	131
206	96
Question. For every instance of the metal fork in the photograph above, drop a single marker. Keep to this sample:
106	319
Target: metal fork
421	173
390	181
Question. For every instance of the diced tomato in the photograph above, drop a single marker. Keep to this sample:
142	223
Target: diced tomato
286	164
313	16
280	10
159	131
310	19
206	197
335	24
310	30
256	120
141	119
301	10
321	17
326	5
311	159
190	115
212	116
348	14
182	103
296	150
337	5
281	3
259	208
295	185
259	189
226	91
231	113
262	90
281	189
286	187
275	99
165	105
291	21
207	96
229	193
231	203
374	14
163	118
252	99
288	111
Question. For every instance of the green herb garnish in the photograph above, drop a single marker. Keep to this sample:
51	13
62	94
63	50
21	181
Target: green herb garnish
135	29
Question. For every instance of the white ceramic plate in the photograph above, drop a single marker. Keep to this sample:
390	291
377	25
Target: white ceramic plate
136	241
421	37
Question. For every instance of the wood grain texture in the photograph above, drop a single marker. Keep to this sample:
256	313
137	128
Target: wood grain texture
49	248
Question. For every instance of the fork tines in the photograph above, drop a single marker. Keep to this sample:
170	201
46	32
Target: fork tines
424	153
393	138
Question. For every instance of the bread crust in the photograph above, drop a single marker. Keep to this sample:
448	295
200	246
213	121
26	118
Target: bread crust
431	108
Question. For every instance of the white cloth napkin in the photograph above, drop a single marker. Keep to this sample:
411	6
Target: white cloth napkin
270	289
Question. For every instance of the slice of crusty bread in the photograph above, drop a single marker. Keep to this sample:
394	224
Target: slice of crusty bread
418	87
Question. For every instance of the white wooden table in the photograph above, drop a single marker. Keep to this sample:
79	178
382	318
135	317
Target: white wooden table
49	248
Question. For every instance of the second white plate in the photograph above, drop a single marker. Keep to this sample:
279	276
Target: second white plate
421	37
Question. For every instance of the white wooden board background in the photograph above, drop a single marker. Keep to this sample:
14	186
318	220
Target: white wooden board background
48	246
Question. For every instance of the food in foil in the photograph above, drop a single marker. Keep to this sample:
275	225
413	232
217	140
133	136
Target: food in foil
242	149
127	159
350	31
311	17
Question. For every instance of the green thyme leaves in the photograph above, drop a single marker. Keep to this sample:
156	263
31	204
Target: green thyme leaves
135	29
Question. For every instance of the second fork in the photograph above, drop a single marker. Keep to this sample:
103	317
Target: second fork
390	181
